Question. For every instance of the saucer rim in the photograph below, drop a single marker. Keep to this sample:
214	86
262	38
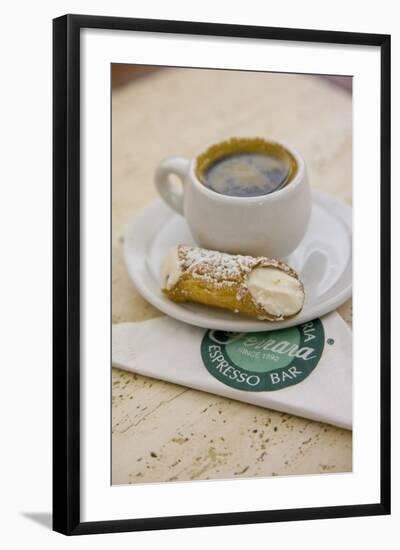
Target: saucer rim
139	274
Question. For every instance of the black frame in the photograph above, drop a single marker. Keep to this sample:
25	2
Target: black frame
66	273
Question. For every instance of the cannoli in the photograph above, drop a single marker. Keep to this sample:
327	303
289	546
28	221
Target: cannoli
260	287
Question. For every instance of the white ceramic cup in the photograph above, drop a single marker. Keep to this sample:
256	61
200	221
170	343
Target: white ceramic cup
268	225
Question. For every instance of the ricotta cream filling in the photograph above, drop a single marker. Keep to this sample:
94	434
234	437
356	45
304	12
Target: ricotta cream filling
276	291
170	268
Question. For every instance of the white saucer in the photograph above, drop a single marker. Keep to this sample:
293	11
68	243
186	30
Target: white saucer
323	260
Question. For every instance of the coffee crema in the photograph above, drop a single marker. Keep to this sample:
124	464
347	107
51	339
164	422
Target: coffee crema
246	167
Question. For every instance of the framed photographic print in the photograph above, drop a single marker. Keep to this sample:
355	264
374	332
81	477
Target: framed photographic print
221	274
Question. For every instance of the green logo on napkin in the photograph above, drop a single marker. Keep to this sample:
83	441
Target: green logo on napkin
263	361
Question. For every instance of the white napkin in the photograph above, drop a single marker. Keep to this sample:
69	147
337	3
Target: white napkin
305	370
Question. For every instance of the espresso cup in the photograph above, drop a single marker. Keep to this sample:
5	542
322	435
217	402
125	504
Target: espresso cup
270	225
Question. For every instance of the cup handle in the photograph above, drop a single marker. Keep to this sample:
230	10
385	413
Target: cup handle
179	167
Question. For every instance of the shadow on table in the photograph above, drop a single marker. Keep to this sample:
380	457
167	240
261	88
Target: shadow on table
123	73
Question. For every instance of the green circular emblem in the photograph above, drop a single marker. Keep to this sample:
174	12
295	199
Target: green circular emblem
263	361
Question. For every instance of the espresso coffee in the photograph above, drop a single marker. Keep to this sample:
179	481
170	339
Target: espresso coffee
247	174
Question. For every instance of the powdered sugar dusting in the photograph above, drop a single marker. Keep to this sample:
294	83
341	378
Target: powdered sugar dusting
219	269
215	268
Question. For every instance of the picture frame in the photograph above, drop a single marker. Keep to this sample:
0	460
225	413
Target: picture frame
68	341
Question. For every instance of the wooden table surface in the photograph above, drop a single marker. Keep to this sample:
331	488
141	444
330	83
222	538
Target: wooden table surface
164	432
